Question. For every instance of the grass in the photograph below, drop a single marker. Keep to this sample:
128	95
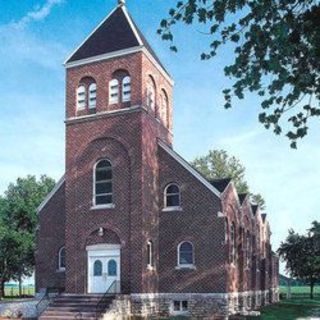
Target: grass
13	291
290	310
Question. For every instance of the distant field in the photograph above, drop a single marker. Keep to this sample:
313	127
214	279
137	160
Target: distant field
301	291
13	291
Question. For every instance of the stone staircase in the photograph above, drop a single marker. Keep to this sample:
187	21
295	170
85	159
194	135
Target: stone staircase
75	307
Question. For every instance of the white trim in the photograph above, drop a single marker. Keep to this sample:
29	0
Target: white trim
51	194
125	11
105	56
165	200
61	269
185	266
119	53
103	206
172	209
221	215
87	38
111	112
94	194
189	168
103	246
150	264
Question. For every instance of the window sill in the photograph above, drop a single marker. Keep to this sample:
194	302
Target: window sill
61	270
105	206
180	313
171	209
151	268
186	267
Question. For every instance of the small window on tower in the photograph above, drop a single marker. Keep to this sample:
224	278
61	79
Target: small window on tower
126	89
151	94
114	91
81	97
92	96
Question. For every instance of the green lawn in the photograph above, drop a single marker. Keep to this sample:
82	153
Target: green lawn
13	291
290	310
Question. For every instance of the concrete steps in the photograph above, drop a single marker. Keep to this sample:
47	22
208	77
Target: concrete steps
81	307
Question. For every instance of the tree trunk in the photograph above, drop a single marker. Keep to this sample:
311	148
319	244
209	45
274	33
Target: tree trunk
312	289
20	287
2	292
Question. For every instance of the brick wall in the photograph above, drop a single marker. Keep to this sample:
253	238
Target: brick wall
50	238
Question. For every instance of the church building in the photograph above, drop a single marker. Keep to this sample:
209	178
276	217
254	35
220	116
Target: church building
132	227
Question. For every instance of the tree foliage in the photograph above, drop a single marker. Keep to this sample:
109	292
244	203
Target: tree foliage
217	164
18	222
276	54
301	254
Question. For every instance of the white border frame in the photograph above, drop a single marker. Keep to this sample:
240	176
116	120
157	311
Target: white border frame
185	266
171	208
101	206
61	269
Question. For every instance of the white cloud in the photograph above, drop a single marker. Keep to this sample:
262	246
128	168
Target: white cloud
20	45
37	14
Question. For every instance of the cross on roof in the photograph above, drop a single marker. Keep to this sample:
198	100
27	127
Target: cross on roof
121	2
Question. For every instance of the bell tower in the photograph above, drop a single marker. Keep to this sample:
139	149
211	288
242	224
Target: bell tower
118	106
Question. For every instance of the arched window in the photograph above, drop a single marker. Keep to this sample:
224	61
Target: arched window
151	94
226	227
126	89
103	183
112	268
185	254
164	108
150	253
113	91
233	242
97	268
81	97
172	196
62	259
92	95
248	242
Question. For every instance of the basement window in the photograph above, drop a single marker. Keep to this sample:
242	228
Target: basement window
180	307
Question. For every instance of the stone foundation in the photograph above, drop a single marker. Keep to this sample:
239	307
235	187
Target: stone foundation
195	306
199	306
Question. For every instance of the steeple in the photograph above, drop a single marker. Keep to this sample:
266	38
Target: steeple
116	34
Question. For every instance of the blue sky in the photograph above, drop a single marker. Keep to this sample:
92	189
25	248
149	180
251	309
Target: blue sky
37	35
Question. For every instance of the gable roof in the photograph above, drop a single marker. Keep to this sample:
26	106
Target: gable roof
189	168
51	194
254	209
242	197
117	32
220	184
264	216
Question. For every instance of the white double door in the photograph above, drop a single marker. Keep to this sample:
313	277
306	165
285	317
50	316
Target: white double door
103	268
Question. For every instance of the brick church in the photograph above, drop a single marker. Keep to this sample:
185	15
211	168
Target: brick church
131	220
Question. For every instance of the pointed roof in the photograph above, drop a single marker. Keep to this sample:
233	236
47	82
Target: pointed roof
254	209
117	32
220	184
242	197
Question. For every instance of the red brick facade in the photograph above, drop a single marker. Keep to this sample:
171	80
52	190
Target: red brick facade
128	135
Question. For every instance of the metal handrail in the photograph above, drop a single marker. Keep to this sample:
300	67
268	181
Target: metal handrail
46	298
111	292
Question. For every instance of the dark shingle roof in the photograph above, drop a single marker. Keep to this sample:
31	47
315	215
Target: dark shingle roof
254	209
242	197
117	32
220	184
